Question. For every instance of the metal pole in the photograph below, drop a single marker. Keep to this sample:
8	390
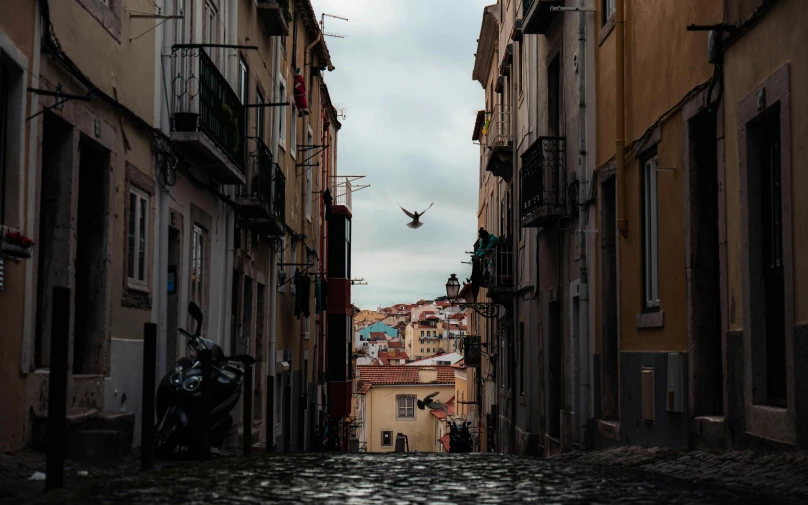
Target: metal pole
57	396
149	377
206	403
246	438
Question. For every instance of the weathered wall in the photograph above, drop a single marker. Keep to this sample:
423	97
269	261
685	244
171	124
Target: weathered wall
382	410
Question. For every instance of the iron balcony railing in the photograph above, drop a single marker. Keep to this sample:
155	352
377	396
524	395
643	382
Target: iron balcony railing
341	189
204	101
542	177
285	10
500	272
498	130
259	175
526	5
279	200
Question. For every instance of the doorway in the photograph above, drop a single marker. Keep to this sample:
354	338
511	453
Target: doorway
53	243
610	351
704	279
554	369
173	308
89	338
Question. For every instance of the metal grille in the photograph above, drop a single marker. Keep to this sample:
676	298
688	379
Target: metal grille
260	172
526	5
544	168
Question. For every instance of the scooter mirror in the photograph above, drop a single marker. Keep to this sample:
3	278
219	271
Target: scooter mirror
196	313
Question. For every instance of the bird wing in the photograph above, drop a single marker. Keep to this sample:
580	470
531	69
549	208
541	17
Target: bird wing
430	206
406	211
433	395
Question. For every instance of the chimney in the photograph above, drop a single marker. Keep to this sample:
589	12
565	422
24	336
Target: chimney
428	374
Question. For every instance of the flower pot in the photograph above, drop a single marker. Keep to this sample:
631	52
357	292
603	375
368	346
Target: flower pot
15	250
186	121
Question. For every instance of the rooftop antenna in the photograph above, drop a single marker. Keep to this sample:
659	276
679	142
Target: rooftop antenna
322	26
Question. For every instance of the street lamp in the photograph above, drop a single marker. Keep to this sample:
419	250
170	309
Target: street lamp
487	310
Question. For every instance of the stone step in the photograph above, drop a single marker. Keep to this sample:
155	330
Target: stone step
98	447
84	420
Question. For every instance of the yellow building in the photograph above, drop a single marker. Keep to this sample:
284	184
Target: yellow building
387	405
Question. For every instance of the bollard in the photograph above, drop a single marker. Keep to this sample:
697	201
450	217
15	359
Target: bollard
269	420
206	404
57	396
246	438
147	405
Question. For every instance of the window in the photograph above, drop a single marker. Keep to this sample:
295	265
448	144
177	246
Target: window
306	326
293	134
259	116
198	272
209	33
521	67
428	349
282	267
608	10
138	225
282	114
387	439
422	333
309	143
650	234
429	334
293	259
406	407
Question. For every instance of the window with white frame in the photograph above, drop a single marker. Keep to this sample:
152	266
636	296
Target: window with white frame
309	174
293	134
282	114
209	33
137	265
650	233
259	116
198	270
406	407
608	10
282	267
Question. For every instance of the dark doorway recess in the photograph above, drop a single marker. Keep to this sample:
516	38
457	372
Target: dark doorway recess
705	294
610	351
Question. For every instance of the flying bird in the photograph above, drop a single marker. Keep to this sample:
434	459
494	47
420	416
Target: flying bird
431	402
416	216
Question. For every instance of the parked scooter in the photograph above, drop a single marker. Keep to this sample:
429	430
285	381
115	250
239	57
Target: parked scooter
179	396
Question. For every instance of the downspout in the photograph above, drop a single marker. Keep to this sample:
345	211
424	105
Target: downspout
161	277
620	117
583	286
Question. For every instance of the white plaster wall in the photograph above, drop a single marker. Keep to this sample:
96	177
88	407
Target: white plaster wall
124	387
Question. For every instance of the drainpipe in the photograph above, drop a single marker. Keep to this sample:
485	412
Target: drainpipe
160	312
620	116
307	54
583	287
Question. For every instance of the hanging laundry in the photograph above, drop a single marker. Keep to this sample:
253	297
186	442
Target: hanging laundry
301	102
486	125
317	299
298	293
305	300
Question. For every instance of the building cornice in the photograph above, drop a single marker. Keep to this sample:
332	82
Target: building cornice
486	45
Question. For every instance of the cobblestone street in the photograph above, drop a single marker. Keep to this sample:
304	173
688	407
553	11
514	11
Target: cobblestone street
396	478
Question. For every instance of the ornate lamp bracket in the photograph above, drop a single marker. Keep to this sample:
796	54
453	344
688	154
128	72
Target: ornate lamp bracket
485	309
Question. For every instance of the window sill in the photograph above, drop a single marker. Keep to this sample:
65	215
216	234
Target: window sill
648	320
136	297
605	30
406	419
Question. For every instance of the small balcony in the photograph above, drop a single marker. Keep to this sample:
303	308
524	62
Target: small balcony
261	199
341	190
499	142
207	118
543	174
275	15
537	16
498	278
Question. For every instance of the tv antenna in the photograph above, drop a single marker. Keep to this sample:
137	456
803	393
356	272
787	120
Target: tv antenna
322	26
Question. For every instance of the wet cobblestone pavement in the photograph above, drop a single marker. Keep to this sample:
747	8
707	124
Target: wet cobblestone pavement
395	479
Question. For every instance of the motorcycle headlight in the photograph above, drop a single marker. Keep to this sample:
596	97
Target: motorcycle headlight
192	383
176	378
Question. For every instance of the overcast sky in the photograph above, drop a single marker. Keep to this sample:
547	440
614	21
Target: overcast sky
403	78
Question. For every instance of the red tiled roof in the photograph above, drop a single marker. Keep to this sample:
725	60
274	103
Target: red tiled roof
403	374
393	355
464	327
378	335
396	345
442	415
460	364
362	388
444	440
459	315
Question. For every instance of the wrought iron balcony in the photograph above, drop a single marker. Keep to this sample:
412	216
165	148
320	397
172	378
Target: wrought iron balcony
543	175
499	277
499	142
537	16
207	117
257	199
276	16
279	198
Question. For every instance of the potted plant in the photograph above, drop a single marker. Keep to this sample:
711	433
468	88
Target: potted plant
186	121
16	245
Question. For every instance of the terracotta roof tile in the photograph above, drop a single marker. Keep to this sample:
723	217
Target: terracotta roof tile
444	440
403	374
